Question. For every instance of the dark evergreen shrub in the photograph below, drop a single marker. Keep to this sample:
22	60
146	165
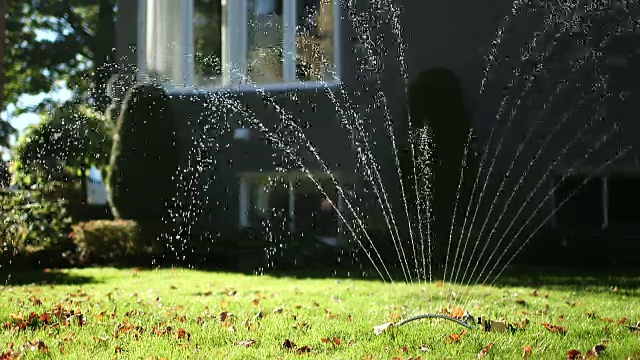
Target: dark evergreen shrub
144	157
437	108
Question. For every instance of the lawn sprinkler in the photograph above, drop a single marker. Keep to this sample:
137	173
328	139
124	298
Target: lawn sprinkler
467	321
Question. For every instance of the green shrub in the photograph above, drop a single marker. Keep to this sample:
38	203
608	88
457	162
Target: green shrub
144	157
28	218
440	124
104	241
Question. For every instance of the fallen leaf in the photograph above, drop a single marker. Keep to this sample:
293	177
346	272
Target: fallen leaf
574	354
288	344
535	293
334	340
458	313
277	310
223	316
382	328
521	302
555	328
527	352
595	352
303	349
181	334
455	338
247	343
485	351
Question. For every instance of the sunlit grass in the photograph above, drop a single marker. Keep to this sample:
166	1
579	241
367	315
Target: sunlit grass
128	313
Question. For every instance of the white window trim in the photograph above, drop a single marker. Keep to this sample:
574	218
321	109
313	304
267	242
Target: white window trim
237	12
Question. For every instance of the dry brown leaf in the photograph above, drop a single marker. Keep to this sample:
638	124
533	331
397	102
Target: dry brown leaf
458	313
527	352
595	352
555	328
288	344
455	338
334	340
574	354
485	351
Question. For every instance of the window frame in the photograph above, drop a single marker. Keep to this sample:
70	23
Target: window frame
236	57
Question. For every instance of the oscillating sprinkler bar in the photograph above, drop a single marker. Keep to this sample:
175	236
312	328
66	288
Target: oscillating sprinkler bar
467	321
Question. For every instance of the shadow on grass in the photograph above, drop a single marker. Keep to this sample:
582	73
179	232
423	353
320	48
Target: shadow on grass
619	281
22	275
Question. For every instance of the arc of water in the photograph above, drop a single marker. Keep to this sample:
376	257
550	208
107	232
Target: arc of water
427	151
397	30
376	180
532	45
516	7
573	193
326	169
530	48
541	149
491	57
363	158
521	147
564	118
289	152
524	91
573	167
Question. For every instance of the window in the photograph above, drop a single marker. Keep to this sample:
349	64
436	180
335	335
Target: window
239	43
288	203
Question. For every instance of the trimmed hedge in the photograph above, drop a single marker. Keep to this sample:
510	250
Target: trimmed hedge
109	241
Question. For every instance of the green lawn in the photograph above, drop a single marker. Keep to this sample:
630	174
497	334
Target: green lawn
176	314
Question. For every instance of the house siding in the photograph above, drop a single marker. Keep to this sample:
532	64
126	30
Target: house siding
455	34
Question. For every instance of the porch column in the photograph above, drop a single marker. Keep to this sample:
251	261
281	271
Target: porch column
244	203
292	207
605	202
340	211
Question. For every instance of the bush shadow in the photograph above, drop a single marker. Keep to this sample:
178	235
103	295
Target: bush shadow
616	281
20	275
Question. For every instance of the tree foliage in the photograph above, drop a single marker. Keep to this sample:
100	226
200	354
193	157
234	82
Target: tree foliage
54	43
62	145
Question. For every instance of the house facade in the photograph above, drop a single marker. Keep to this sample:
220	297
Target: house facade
269	91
